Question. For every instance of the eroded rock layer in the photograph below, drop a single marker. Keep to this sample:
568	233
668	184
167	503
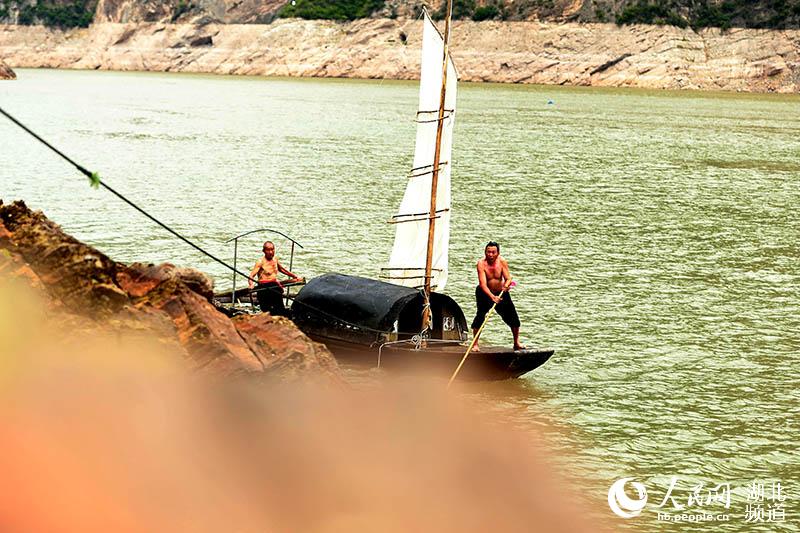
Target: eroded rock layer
509	52
5	72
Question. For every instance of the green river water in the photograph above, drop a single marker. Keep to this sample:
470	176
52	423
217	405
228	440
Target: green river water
655	237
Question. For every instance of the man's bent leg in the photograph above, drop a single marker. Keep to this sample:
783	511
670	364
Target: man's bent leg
517	345
508	311
270	299
276	307
475	347
263	298
484	304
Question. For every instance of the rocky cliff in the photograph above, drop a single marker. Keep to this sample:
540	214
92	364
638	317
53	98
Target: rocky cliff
724	14
194	11
514	52
87	294
5	72
781	14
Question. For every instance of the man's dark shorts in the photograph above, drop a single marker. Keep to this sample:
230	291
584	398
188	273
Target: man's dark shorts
270	298
505	309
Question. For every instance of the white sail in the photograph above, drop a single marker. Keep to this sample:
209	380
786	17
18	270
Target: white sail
407	262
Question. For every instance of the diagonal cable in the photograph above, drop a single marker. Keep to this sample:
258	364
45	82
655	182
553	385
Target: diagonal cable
96	181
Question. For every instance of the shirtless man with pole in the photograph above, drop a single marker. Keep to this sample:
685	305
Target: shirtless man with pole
494	279
270	290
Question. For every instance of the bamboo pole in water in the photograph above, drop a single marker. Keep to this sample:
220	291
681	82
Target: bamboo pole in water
474	341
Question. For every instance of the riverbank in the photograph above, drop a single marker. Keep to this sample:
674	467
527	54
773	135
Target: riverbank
605	55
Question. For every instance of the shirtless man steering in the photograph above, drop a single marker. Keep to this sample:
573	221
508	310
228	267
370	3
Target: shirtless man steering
494	278
270	290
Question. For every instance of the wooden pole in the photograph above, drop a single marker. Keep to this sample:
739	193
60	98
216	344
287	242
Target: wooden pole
474	341
426	316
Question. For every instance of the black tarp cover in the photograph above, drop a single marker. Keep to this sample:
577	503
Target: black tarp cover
358	309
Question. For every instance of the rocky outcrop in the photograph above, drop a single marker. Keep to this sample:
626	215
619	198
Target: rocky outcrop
87	291
765	14
551	10
283	348
192	11
509	52
5	72
738	13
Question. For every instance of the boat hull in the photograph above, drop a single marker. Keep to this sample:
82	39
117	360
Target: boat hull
491	363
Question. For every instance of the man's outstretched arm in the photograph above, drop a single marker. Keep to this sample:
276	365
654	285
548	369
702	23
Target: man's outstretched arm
286	272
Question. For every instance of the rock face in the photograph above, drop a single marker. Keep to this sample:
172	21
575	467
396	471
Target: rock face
170	11
658	57
551	10
718	13
5	72
750	14
88	290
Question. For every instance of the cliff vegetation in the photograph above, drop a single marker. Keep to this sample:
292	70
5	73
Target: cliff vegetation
766	14
327	10
54	13
774	14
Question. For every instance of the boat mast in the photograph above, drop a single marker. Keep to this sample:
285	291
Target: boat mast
426	317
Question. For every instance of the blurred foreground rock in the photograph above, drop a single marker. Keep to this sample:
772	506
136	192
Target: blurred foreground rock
87	292
5	72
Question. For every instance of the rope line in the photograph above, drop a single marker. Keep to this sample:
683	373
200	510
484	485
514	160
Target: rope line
95	179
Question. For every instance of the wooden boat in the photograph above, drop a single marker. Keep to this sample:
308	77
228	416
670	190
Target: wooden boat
406	323
490	363
371	322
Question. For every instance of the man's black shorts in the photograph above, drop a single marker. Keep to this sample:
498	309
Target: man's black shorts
270	298
505	309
